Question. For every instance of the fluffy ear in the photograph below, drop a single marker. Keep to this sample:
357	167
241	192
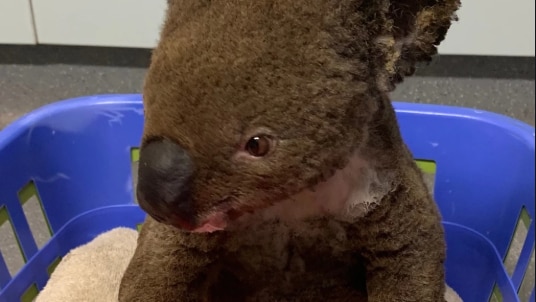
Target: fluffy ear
411	33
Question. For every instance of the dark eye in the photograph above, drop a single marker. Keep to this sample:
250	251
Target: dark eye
259	146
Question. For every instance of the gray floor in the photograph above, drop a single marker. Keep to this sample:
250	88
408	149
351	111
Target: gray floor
24	87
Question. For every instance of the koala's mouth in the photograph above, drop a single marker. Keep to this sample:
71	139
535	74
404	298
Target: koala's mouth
224	215
214	222
219	219
216	219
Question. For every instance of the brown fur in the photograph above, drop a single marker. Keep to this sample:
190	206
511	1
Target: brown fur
315	75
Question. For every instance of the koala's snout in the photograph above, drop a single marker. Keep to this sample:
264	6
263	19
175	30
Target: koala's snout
164	182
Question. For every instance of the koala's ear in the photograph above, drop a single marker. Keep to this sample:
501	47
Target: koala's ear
413	30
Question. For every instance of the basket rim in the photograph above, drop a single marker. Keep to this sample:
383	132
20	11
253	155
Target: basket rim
516	127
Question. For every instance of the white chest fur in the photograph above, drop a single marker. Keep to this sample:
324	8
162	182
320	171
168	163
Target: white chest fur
346	196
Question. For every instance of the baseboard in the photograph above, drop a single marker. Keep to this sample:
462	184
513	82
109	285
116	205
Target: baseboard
442	66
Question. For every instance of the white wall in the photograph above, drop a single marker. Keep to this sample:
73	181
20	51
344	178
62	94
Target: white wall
486	27
492	27
16	25
121	23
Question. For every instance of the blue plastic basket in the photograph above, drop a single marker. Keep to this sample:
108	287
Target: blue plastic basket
76	157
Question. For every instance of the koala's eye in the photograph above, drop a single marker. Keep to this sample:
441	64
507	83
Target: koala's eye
259	146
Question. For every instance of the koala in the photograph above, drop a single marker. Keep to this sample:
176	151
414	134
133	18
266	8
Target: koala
272	167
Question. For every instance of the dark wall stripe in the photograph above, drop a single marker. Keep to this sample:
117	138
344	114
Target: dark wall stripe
442	66
75	55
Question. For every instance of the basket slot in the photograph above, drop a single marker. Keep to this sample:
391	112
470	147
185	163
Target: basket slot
5	276
518	257
30	294
13	257
53	265
428	168
496	295
134	161
524	276
518	239
35	214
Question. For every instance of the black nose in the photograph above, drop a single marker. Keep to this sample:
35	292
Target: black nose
164	183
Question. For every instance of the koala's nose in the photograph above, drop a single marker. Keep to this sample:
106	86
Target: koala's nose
164	182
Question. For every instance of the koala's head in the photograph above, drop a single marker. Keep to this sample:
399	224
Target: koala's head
249	102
